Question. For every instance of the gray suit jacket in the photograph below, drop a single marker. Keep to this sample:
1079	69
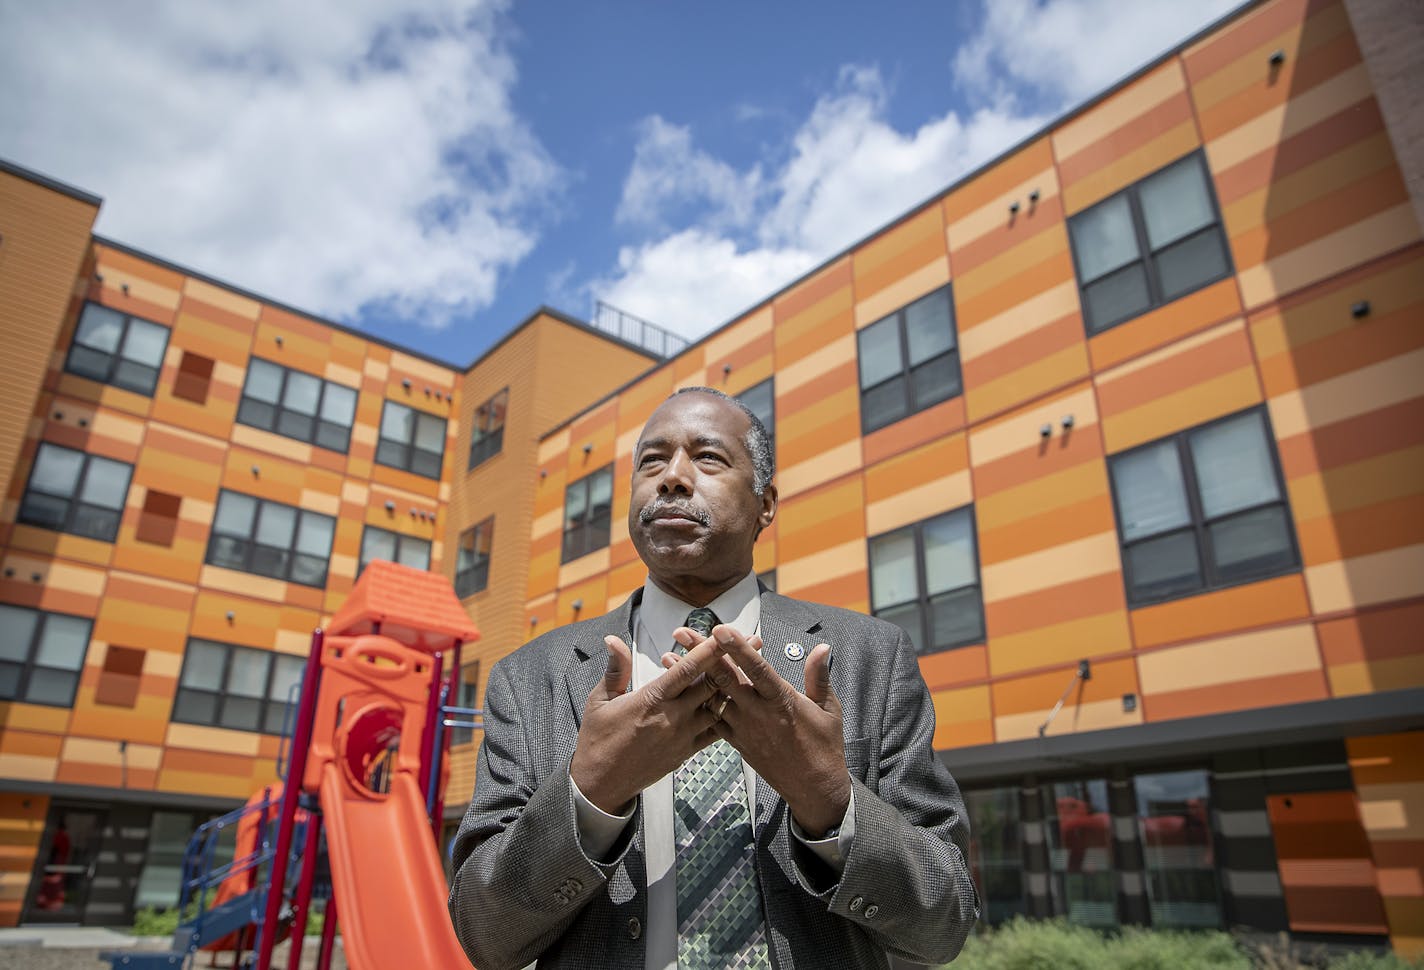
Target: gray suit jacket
524	890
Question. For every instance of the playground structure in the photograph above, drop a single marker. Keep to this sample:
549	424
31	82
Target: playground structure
365	774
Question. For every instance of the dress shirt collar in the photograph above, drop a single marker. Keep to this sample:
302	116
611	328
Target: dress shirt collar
660	613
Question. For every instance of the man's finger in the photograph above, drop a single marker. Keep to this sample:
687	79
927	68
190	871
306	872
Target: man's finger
620	667
687	670
745	652
818	680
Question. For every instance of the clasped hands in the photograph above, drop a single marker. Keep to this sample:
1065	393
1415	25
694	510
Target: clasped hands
721	687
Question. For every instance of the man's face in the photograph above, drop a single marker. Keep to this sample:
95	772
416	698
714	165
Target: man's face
694	515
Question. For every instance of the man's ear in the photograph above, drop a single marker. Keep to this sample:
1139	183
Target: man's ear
768	506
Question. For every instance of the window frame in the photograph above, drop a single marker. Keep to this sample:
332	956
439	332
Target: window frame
279	409
1146	256
923	599
118	354
265	703
401	538
907	368
770	385
1199	524
475	578
409	448
487	442
73	503
568	551
251	544
30	663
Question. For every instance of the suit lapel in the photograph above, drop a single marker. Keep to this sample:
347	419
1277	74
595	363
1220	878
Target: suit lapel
783	621
588	660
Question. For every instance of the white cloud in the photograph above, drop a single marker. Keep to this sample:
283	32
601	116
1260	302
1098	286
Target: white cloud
1058	52
687	281
847	170
335	155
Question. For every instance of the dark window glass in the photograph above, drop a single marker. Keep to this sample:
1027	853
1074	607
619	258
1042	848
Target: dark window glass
222	685
588	505
908	361
1149	244
70	491
469	685
996	852
41	655
271	539
411	440
487	431
377	543
297	405
1203	509
925	578
1174	821
1080	851
118	349
760	400
472	561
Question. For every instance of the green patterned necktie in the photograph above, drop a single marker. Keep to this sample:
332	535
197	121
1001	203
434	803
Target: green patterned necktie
719	917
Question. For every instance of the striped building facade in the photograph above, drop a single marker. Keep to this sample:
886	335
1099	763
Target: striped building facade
1126	427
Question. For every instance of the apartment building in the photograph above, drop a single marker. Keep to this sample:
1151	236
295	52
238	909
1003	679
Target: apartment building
1126	428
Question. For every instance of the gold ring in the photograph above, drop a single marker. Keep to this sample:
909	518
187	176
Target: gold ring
722	707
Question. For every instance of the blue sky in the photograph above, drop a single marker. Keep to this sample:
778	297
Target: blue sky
432	171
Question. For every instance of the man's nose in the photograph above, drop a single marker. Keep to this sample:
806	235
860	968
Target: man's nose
677	475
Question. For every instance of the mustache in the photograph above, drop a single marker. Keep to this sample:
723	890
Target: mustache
657	507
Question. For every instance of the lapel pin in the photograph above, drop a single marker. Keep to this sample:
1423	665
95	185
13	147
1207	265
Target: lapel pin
794	651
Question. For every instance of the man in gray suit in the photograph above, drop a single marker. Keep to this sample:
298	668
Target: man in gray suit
857	834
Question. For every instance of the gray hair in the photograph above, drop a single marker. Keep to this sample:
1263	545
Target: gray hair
757	441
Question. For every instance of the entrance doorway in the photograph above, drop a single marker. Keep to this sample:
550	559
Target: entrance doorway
64	869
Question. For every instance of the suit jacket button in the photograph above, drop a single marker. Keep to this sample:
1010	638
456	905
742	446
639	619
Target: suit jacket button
855	904
575	885
560	898
871	910
635	928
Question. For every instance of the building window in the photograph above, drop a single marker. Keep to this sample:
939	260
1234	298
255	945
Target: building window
1201	510
377	543
1148	244
473	559
70	491
41	655
411	440
297	405
760	400
908	361
235	687
588	506
271	539
1174	820
996	857
925	578
118	349
469	685
487	431
1080	851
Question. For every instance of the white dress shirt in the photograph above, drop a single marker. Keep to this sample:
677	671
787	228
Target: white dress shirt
653	626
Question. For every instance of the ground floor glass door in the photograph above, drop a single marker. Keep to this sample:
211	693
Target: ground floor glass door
64	870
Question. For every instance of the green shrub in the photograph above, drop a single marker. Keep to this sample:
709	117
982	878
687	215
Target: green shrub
1140	949
1373	960
1023	944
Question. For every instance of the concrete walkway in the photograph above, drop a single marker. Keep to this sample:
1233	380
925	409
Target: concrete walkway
74	937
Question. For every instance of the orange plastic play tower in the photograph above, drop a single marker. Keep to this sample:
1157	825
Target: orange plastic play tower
365	746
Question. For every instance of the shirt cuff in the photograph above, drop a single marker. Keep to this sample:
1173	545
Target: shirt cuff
834	849
597	830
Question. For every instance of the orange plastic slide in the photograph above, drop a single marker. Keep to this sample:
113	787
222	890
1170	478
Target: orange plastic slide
390	889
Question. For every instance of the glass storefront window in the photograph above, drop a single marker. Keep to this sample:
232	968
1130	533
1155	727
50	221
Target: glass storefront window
996	852
1080	839
1174	821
